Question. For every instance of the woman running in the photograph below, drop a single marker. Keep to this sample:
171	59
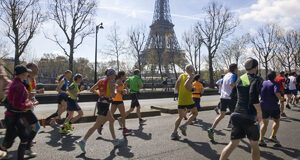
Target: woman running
72	103
117	102
106	90
62	97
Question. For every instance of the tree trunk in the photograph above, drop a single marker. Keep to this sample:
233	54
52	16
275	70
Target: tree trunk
71	58
118	64
17	57
139	62
196	68
211	72
267	69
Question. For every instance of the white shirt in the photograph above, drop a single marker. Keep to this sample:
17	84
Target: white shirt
226	88
292	85
219	83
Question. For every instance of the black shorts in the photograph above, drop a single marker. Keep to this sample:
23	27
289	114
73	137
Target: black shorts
186	106
134	100
287	91
227	103
73	105
61	98
103	108
275	114
117	102
30	117
243	126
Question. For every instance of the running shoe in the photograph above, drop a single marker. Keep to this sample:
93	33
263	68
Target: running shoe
211	134
283	115
30	154
230	125
274	139
69	126
262	143
117	142
185	118
44	123
99	130
127	131
142	121
217	110
120	121
53	123
288	106
183	130
175	136
3	124
64	131
81	144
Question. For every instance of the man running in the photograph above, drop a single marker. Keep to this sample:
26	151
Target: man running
62	98
226	102
72	103
281	81
293	88
135	84
198	91
106	93
219	85
270	94
287	91
185	101
247	114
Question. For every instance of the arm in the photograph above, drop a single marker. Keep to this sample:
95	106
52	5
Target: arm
259	114
58	88
177	84
140	83
70	90
233	80
18	100
112	89
188	82
94	87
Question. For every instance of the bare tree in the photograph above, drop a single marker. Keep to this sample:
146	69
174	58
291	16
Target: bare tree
21	18
137	39
4	50
117	45
217	25
265	44
75	19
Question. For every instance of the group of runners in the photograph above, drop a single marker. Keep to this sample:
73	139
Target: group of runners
249	99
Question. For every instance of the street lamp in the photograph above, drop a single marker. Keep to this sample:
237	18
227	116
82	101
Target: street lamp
99	26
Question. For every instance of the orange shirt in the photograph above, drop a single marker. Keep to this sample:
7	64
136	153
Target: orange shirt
119	96
197	86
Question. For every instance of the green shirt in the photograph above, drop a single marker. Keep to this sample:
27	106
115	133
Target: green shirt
134	83
74	88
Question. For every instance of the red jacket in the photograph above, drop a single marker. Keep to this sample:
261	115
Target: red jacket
17	96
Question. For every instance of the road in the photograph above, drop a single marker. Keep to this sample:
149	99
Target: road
152	141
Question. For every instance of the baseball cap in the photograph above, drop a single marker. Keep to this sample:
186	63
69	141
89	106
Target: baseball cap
250	63
110	72
19	69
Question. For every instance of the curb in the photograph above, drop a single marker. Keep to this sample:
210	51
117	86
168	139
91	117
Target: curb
175	111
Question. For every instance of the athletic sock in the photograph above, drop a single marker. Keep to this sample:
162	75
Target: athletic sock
261	138
273	134
21	151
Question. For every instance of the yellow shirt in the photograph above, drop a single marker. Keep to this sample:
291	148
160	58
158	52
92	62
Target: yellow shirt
197	89
184	95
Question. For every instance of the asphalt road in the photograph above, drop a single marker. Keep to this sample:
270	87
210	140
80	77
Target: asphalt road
152	141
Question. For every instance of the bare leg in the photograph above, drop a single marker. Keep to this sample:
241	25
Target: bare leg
75	119
111	120
122	112
194	113
128	111
228	149
181	113
263	128
275	126
218	119
138	112
255	150
100	120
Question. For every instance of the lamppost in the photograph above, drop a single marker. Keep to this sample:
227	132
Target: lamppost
99	26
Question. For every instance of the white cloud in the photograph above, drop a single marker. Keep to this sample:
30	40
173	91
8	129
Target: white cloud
284	12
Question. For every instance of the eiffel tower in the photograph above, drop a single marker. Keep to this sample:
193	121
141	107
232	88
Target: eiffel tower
162	47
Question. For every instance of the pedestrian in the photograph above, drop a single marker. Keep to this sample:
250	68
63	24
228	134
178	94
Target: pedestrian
106	93
72	103
270	95
228	83
185	101
293	88
61	88
135	84
16	104
287	91
198	91
281	81
247	115
219	86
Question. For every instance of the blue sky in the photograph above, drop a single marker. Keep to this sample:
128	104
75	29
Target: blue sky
185	13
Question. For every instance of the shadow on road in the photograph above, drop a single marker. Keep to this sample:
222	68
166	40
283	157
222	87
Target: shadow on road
202	148
54	137
123	151
205	126
140	134
82	156
68	143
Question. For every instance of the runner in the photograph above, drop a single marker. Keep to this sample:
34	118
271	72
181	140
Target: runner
135	84
281	81
219	85
185	101
287	90
16	104
270	94
243	119
226	102
198	91
298	87
106	90
293	88
72	103
62	98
